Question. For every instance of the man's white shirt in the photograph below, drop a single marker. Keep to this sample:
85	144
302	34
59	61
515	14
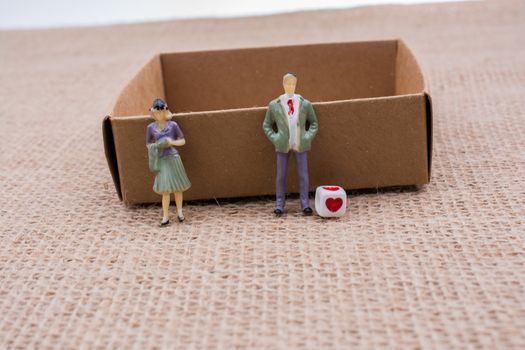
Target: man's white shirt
292	119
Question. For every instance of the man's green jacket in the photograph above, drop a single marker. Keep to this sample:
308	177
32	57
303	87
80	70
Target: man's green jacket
281	139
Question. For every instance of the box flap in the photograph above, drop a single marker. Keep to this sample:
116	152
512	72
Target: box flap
409	78
143	88
363	143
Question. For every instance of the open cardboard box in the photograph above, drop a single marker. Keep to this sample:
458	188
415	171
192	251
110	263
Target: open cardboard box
375	118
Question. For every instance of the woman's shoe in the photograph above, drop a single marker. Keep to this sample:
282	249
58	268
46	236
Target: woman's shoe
164	222
181	218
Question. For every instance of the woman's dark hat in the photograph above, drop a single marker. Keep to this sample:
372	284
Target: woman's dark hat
158	105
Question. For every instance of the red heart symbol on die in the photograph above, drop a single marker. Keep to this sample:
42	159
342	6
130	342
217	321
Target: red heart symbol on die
334	204
331	188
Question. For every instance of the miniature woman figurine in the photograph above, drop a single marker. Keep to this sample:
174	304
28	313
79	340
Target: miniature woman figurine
291	114
162	136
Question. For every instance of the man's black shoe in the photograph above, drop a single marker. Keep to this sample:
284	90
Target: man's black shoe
278	212
307	211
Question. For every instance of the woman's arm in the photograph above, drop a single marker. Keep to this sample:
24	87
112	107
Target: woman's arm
178	136
178	142
148	136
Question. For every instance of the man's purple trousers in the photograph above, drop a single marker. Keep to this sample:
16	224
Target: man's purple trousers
301	163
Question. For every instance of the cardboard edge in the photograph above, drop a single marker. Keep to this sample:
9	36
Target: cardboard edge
161	57
428	109
219	111
111	154
265	47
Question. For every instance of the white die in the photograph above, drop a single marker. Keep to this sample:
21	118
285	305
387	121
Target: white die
330	201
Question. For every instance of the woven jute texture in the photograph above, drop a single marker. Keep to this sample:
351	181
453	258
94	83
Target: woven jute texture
438	267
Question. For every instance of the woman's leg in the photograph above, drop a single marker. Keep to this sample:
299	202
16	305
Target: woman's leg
165	205
178	202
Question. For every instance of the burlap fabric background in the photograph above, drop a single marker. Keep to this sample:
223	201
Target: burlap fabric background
442	267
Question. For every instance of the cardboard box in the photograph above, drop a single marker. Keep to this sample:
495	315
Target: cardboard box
375	118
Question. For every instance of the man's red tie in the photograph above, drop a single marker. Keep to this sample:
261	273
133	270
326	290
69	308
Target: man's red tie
290	107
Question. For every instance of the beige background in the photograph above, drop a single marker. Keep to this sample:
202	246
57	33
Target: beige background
442	267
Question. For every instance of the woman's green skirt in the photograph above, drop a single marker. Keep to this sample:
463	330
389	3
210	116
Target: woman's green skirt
171	176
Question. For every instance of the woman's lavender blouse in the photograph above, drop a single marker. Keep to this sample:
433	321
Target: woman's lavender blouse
171	130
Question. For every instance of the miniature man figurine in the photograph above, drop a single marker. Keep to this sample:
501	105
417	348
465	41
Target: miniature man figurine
290	112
